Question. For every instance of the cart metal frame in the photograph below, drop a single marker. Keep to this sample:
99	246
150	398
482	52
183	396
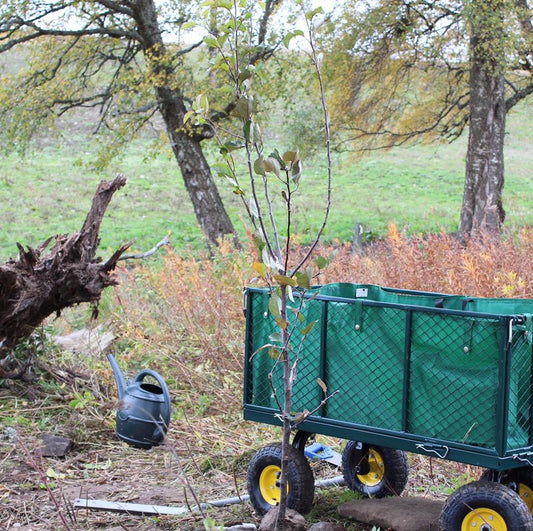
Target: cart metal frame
499	457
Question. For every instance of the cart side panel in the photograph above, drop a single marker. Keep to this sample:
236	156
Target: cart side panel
413	365
365	363
520	431
454	378
266	374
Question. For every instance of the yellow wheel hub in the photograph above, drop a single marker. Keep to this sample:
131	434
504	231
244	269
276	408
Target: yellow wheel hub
376	469
269	484
483	519
526	493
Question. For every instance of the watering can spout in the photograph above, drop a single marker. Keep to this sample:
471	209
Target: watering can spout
119	378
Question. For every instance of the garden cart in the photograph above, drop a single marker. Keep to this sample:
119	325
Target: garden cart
445	376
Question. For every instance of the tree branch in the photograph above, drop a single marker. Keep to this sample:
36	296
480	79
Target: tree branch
153	250
35	286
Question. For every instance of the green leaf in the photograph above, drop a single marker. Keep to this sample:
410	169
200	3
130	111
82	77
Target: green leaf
210	41
296	171
223	170
283	280
188	116
321	262
288	38
274	305
246	129
306	329
244	75
311	14
256	132
259	242
303	280
275	155
231	146
258	166
243	108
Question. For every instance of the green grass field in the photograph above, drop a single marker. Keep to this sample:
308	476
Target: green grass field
419	188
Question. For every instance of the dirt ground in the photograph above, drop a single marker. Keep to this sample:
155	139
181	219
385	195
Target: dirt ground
110	471
203	459
113	471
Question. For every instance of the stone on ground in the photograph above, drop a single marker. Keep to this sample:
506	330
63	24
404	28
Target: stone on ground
293	521
326	526
54	446
397	513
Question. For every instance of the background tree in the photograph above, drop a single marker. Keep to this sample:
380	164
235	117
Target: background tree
413	70
123	59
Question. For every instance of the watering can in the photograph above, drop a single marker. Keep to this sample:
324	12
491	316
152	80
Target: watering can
143	415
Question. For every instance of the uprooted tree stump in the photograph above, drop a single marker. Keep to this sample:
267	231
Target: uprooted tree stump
62	271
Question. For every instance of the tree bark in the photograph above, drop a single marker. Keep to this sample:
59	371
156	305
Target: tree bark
201	187
482	210
186	143
37	285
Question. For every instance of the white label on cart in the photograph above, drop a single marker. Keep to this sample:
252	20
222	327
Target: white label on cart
361	292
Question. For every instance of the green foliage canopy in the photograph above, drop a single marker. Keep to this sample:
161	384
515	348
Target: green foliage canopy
400	69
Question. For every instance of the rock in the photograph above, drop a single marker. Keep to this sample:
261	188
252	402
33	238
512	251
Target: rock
54	446
293	520
9	434
239	527
88	341
326	526
398	513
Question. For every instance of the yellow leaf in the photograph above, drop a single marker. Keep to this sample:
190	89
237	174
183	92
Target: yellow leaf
323	385
282	323
260	268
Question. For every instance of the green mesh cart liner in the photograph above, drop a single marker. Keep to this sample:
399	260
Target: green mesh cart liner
439	374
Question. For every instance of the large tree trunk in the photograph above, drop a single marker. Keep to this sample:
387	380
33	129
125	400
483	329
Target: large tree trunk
186	143
186	146
482	210
37	285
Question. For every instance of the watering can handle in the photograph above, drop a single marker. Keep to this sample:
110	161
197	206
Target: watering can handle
166	394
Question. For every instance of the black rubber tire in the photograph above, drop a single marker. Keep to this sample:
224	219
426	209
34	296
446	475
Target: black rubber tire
485	497
389	480
300	479
518	479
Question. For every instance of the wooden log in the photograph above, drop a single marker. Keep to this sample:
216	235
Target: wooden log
62	271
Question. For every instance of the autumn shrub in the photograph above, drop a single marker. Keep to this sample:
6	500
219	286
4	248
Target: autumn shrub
185	319
482	267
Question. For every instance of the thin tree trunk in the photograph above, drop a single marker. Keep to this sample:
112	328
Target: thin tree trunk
482	210
287	408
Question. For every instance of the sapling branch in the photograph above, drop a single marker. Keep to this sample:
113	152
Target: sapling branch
306	414
316	63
